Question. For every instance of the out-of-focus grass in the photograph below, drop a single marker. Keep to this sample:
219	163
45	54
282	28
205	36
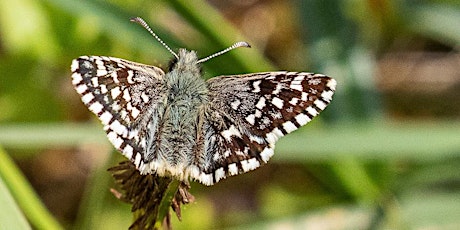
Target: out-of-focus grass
24	195
418	142
390	175
324	145
11	216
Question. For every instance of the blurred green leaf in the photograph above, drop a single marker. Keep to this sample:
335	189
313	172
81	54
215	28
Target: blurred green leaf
11	216
436	21
416	163
24	194
431	210
25	29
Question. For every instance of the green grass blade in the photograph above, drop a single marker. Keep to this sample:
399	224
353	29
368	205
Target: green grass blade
11	216
24	194
419	142
355	179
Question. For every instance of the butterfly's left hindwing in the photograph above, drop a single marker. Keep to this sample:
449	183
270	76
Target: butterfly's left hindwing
124	95
247	114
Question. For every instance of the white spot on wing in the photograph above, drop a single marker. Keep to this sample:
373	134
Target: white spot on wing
331	84
112	136
266	154
277	89
312	111
304	96
232	169
118	128
101	72
115	77
232	131
302	119
254	163
74	65
277	132
256	86
216	156
245	165
258	113
135	112
261	103
115	92
117	142
144	97
271	138
95	81
289	126
294	101
250	164
320	104
99	62
105	118
277	102
251	119
81	88
104	89
296	86
130	77
235	104
219	174
137	161
327	95
126	95
87	98
299	78
128	151
76	78
206	179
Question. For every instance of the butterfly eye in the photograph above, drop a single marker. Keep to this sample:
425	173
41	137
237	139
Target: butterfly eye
172	64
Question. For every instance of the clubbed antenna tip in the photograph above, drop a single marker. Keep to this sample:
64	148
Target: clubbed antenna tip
141	22
234	46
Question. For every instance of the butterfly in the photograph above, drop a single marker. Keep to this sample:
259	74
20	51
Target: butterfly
176	124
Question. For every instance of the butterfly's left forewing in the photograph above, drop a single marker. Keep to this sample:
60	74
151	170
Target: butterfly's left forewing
247	114
124	95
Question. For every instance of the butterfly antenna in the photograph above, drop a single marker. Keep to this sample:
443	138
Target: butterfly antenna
141	22
234	46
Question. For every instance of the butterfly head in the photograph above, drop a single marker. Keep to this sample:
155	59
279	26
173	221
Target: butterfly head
185	60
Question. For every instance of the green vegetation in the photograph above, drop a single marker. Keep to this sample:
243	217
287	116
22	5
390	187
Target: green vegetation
367	162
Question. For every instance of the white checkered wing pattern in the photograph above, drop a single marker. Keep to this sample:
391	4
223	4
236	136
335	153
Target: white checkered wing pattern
247	114
120	93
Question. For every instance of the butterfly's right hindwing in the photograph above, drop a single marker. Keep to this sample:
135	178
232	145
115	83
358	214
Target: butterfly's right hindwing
124	95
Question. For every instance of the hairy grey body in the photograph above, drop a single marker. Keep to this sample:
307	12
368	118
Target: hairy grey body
179	116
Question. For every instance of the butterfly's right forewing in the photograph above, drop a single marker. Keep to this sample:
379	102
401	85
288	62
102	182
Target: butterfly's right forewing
124	96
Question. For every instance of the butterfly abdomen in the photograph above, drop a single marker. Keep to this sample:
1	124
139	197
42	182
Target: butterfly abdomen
187	92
